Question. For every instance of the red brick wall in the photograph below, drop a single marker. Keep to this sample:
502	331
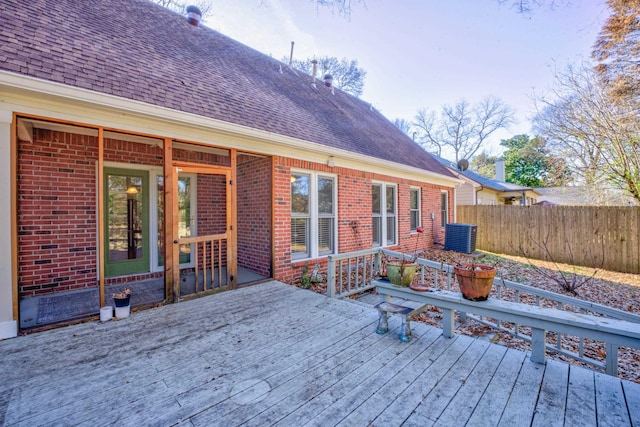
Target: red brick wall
132	152
57	220
56	212
354	213
57	209
254	213
212	210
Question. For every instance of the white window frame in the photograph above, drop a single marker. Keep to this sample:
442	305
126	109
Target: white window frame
444	213
314	215
383	213
418	210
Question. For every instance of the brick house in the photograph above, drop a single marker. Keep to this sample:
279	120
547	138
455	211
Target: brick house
139	149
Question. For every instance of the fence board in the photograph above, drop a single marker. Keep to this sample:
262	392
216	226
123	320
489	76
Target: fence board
593	236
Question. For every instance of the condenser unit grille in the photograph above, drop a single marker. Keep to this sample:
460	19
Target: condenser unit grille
460	237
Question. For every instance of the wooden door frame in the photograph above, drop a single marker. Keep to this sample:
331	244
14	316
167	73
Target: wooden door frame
172	240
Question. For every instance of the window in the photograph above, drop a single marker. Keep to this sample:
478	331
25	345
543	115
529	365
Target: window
384	214
414	208
444	208
313	215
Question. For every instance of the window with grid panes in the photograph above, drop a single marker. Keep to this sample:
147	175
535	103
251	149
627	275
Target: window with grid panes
444	208
384	214
414	208
313	215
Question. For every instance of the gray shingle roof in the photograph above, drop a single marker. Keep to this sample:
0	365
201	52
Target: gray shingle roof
137	50
482	180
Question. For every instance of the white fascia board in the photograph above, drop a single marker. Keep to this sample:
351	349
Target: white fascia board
125	114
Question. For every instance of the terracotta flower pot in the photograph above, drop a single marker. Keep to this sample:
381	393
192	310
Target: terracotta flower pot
401	275
475	280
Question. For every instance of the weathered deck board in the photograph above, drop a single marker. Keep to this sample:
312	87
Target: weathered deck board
276	355
610	401
473	387
632	396
492	403
581	398
552	399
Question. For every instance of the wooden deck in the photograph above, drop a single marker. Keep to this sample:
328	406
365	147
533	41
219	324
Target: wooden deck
272	354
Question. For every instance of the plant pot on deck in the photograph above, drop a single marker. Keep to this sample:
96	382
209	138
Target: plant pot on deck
401	275
123	305
475	280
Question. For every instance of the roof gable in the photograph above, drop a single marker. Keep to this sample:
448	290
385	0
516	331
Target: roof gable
138	50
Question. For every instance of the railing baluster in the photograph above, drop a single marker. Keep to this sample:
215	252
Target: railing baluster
220	263
204	265
196	264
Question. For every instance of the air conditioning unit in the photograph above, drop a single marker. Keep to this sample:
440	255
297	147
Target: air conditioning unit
460	237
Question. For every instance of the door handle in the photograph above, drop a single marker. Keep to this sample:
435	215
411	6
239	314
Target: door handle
176	241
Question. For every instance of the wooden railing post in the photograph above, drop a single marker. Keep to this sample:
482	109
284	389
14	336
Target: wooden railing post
331	277
538	345
611	363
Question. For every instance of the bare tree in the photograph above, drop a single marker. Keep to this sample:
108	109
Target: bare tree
617	51
404	126
462	128
600	139
526	7
571	280
345	72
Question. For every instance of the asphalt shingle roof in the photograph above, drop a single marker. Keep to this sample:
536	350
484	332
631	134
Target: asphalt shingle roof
482	180
138	50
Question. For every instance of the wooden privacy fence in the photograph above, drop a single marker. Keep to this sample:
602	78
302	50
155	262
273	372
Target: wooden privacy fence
594	236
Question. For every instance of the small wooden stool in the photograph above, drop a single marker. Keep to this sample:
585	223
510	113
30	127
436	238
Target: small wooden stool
387	308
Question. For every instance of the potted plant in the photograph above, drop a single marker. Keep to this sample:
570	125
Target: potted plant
401	272
475	280
122	301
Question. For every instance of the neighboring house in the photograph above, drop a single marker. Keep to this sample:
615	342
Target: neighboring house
480	190
138	148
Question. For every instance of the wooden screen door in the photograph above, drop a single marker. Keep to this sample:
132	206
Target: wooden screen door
203	235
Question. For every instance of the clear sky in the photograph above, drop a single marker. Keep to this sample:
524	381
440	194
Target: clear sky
426	53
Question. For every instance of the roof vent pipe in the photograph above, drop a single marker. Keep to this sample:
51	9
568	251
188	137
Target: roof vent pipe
314	64
194	15
328	80
291	55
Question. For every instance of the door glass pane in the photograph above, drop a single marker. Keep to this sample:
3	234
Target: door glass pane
184	218
124	204
160	187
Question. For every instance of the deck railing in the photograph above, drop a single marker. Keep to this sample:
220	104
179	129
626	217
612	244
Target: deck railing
354	272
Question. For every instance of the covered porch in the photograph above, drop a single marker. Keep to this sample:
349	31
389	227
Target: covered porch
272	354
100	209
